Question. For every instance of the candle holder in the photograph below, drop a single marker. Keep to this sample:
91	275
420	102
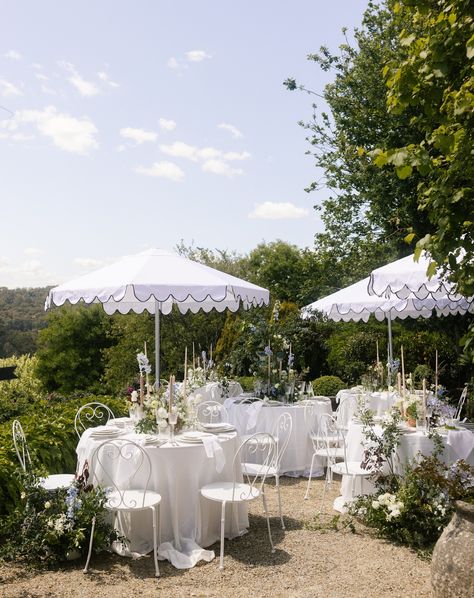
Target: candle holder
172	420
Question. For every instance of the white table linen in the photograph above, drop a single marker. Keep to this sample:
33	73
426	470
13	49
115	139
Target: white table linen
412	443
297	459
212	391
188	522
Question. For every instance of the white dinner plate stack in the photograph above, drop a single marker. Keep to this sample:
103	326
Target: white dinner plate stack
218	427
106	432
191	437
120	422
154	440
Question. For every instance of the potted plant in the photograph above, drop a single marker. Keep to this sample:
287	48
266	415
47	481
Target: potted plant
411	414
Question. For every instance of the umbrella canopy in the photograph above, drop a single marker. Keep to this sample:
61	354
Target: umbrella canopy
154	281
355	304
405	277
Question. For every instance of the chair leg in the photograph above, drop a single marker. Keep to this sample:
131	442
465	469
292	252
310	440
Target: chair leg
155	547
324	490
86	568
264	498
221	562
277	483
306	496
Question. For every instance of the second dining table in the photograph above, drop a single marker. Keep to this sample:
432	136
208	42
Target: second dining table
262	416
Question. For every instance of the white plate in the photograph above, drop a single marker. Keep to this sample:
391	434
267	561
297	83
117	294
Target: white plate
217	426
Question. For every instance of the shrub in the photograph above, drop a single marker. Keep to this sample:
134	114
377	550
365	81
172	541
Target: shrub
51	438
327	386
246	382
16	396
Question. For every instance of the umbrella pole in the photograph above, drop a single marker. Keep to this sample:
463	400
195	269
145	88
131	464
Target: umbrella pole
157	343
390	348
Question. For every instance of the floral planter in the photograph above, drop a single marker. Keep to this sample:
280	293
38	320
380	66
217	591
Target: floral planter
411	422
452	565
73	554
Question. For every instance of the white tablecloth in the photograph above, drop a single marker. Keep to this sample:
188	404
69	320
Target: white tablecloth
248	418
188	522
378	402
411	444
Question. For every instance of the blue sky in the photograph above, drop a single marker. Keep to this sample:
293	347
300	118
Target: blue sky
127	125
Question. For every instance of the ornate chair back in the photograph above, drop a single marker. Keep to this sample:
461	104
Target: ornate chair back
211	412
282	434
259	448
21	446
462	400
330	436
129	461
91	414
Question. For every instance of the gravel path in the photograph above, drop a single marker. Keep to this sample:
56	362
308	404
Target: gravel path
311	560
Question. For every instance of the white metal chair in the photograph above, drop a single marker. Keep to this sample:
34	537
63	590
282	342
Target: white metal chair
462	400
91	414
114	456
211	412
50	482
345	410
349	468
281	433
235	491
313	423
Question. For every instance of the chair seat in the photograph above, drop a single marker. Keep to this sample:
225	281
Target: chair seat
131	500
57	480
332	439
350	468
253	469
336	452
224	492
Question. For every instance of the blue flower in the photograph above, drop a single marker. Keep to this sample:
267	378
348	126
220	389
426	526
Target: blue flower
268	351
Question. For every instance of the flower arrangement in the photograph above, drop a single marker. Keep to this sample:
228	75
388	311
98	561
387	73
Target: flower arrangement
52	527
412	507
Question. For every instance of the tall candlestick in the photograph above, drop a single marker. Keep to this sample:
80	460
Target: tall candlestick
210	355
185	370
147	384
377	345
194	362
436	373
399	383
170	392
424	396
142	390
403	371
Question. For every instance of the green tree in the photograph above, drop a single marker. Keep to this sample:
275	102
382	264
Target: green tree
369	211
70	348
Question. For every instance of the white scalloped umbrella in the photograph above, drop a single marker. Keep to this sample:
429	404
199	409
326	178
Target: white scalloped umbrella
355	304
153	281
405	277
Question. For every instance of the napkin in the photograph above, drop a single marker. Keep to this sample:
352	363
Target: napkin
253	412
461	441
214	450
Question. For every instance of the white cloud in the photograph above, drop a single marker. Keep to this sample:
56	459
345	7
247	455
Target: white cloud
106	79
31	251
173	63
167	125
76	135
13	54
138	135
87	89
29	273
178	149
236	156
8	89
269	210
208	153
167	170
41	77
221	167
88	263
37	66
121	147
234	131
197	55
49	91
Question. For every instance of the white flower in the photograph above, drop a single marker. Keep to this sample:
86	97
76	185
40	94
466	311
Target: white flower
375	504
162	413
162	423
154	404
47	505
395	513
23	495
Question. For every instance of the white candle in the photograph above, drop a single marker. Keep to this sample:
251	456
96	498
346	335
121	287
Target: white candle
403	371
194	362
424	396
210	358
170	391
185	370
377	344
436	373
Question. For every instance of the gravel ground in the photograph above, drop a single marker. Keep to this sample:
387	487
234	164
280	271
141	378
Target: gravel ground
311	559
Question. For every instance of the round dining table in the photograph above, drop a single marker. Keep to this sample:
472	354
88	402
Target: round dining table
188	522
458	444
262	416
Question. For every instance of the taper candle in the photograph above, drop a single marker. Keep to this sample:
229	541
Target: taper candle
185	370
377	345
436	373
424	396
170	393
403	370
